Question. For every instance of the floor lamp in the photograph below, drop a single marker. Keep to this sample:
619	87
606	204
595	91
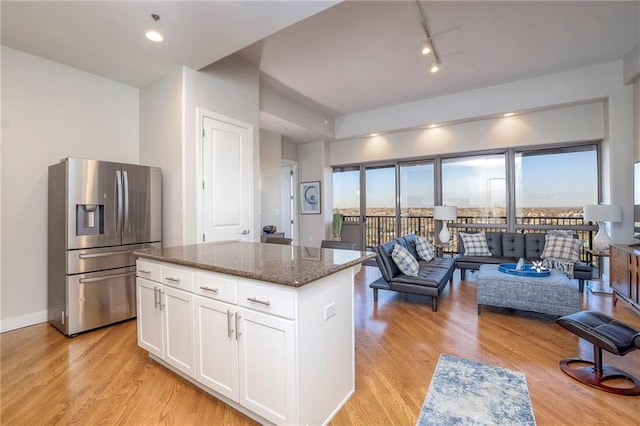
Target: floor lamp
601	213
445	213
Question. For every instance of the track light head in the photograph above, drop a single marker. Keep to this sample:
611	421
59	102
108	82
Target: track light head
426	48
435	66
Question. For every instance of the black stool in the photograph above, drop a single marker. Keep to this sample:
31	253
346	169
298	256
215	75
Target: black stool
605	333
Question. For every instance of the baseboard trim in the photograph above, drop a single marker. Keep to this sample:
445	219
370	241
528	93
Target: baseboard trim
23	321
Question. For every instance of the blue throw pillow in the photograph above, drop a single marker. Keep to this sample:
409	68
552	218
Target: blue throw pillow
407	264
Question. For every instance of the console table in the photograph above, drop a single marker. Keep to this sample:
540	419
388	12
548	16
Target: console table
624	274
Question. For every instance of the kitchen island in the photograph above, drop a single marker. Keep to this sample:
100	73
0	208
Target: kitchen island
266	328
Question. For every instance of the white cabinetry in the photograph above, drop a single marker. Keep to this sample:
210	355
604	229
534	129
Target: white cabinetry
165	318
280	354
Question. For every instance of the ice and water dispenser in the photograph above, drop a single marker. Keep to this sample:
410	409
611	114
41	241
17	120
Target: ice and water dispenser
89	219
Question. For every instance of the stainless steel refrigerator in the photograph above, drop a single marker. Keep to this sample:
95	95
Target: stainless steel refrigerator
99	214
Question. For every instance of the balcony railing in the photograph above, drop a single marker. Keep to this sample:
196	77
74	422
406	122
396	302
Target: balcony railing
381	229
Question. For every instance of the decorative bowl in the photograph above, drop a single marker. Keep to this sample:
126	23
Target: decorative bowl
526	271
270	229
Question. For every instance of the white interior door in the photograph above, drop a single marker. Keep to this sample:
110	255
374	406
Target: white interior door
227	182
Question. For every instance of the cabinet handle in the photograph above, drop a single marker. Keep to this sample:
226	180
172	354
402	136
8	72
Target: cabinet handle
155	297
229	329
238	334
215	290
262	302
144	271
175	280
160	293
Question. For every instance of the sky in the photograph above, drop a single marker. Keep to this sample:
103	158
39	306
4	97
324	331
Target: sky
557	180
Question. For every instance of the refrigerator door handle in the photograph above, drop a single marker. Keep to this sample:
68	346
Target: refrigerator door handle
106	277
125	179
105	254
118	201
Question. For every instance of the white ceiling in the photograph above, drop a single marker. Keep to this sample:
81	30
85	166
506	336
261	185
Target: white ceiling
352	57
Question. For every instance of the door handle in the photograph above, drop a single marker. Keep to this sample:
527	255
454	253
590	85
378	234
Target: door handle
262	302
106	277
238	334
111	253
126	200
229	329
118	201
245	232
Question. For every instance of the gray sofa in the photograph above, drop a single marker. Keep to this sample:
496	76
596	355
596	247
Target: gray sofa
432	278
508	247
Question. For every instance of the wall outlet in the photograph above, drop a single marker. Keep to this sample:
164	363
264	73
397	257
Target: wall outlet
329	310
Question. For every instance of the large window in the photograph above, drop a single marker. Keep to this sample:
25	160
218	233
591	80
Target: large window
552	186
417	197
477	186
513	190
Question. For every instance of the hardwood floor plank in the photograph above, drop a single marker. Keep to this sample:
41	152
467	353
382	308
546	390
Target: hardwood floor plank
103	377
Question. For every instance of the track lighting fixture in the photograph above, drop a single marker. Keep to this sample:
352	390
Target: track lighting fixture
428	46
426	49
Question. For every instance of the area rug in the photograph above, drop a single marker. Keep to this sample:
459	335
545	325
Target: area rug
464	392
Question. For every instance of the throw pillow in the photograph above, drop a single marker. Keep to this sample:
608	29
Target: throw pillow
564	248
407	264
424	249
475	244
562	233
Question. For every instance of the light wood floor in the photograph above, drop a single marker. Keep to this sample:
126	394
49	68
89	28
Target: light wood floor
102	377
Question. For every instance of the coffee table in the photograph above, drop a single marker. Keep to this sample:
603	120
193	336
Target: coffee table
555	294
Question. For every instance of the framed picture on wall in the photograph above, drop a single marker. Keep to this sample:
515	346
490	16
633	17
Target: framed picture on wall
310	197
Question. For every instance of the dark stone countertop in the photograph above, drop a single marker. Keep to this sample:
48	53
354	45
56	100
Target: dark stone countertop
293	266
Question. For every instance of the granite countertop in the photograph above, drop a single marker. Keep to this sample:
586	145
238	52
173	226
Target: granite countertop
280	264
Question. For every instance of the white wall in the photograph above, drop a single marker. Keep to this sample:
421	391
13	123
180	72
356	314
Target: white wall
161	144
229	87
289	151
568	124
50	111
270	179
312	159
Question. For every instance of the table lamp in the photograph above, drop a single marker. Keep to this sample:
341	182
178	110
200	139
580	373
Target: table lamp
601	213
445	213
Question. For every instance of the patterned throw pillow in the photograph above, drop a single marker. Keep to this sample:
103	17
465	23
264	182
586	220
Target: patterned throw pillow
475	244
407	264
564	248
424	249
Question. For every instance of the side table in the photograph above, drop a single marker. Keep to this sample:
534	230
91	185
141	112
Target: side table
440	246
599	286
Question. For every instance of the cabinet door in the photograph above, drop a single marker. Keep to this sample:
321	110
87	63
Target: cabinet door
267	365
178	323
150	325
619	273
216	346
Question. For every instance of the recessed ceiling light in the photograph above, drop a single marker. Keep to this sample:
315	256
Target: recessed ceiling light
509	114
433	126
153	35
373	135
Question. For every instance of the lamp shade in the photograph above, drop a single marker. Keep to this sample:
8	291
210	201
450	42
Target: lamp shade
445	212
602	213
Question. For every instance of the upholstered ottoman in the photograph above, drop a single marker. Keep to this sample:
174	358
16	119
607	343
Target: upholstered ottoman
555	294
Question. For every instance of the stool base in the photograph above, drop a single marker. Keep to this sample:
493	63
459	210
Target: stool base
589	375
